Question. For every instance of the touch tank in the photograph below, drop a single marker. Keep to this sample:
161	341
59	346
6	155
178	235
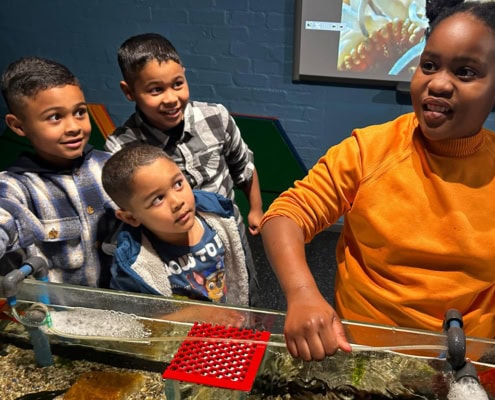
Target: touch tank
386	362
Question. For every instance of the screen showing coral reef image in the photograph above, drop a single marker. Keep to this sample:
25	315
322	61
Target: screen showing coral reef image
369	41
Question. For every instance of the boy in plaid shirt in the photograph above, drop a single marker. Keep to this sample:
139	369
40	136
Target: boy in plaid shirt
202	138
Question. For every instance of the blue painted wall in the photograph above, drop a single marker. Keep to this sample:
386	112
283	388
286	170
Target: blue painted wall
236	52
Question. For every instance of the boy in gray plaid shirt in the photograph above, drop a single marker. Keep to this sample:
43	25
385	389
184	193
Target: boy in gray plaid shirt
52	202
202	138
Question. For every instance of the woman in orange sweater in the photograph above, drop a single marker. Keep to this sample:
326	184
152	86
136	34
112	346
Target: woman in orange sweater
418	196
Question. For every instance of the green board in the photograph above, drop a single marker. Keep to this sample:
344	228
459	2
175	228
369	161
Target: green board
275	158
11	145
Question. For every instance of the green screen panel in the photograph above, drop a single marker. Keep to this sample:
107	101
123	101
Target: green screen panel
11	145
276	160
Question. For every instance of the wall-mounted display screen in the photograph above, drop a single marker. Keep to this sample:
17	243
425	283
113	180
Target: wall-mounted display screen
358	41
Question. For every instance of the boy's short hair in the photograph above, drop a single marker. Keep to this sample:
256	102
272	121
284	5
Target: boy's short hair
30	75
138	50
119	170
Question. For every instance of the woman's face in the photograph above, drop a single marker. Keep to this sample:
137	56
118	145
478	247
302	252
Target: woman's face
453	88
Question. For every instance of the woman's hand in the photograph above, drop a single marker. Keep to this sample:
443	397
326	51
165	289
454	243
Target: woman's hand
313	329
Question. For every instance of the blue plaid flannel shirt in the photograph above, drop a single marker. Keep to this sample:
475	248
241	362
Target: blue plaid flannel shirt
56	215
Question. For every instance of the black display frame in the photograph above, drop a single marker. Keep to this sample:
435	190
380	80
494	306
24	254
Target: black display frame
307	47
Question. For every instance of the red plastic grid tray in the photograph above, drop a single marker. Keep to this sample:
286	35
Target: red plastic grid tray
220	363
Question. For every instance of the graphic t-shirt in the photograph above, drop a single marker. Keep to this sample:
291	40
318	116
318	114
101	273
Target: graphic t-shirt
197	272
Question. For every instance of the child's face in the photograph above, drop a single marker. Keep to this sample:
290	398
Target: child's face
453	88
160	92
56	122
162	201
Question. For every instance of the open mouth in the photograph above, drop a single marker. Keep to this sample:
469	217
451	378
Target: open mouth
436	108
171	113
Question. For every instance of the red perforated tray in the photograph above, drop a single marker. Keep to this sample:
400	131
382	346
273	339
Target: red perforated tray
220	363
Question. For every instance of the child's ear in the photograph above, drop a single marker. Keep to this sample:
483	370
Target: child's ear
15	124
124	86
127	217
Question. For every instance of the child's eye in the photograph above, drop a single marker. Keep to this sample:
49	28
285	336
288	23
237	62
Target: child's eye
178	84
155	90
55	117
157	200
178	184
81	112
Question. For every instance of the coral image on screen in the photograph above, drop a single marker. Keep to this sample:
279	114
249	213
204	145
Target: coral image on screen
385	36
359	41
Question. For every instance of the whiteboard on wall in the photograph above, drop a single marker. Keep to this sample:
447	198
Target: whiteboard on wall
358	41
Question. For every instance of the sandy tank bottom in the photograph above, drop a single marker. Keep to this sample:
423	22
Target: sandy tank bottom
19	375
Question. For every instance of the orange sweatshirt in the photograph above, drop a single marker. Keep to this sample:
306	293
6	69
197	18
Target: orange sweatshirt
419	227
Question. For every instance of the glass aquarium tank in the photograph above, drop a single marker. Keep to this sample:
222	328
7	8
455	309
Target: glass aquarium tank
245	348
